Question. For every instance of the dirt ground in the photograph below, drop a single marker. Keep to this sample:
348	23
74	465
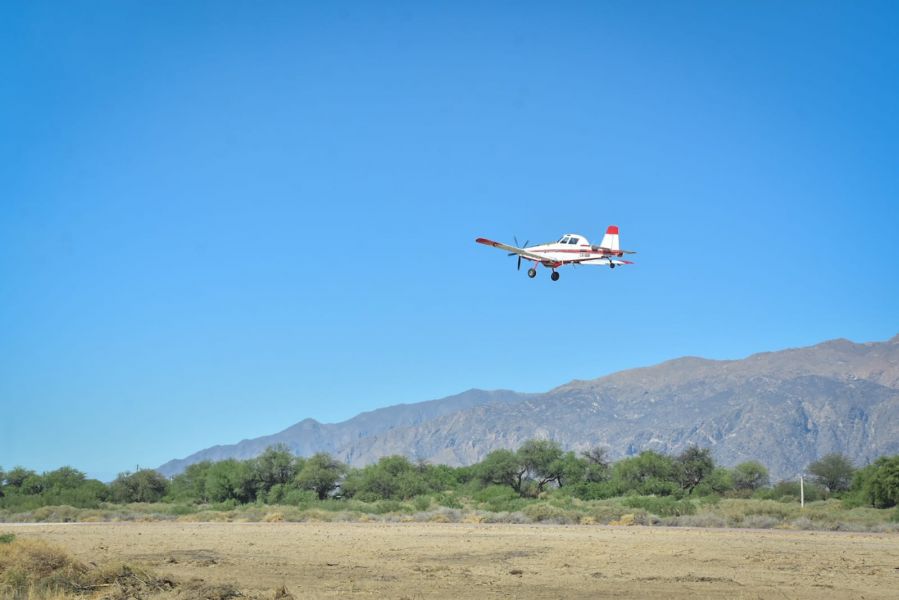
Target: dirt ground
460	561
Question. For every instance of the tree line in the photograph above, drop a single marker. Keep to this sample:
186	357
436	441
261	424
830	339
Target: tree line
537	467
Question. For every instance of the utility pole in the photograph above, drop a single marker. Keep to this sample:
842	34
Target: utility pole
801	492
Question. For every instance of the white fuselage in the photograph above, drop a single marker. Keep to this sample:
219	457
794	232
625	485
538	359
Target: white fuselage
570	247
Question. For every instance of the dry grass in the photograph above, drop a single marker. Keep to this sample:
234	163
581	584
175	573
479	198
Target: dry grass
32	569
29	568
829	515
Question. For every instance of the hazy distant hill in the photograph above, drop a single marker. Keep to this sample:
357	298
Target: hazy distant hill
784	408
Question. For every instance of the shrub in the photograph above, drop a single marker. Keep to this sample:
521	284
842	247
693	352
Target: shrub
34	564
448	500
7	538
388	506
181	509
300	497
542	512
700	520
596	490
803	523
664	506
421	503
760	522
789	491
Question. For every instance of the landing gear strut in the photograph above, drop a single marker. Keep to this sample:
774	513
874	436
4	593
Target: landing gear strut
532	272
554	276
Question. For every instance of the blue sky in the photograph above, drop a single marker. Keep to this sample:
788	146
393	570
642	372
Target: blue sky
217	219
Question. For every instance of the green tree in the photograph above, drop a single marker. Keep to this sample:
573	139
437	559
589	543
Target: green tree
16	478
833	471
750	475
878	483
502	467
32	485
694	465
64	478
145	485
571	469
719	481
647	473
321	473
190	484
277	465
231	480
542	460
598	464
391	478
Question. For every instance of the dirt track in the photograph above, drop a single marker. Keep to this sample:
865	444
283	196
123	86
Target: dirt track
459	561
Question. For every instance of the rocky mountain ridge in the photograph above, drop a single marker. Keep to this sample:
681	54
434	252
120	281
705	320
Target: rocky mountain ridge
785	408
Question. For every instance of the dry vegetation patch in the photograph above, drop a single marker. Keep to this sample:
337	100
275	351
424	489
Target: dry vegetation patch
32	569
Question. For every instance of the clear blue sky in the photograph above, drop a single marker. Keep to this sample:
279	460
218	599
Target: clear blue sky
217	219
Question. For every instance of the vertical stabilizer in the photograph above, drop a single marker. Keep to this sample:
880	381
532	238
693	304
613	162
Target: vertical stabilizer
610	239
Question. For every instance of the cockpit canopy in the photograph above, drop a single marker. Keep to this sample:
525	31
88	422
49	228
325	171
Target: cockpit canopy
570	238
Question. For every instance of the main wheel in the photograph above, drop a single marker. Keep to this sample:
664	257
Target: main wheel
532	273
555	276
611	265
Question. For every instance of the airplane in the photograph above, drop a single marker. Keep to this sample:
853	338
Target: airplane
571	249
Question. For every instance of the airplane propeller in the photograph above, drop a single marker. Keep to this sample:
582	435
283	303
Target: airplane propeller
517	246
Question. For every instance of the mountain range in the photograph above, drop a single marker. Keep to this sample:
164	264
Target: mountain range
785	408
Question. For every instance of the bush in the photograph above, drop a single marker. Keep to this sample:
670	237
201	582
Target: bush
389	506
7	538
789	491
760	522
181	509
448	500
700	520
542	512
300	497
664	506
35	565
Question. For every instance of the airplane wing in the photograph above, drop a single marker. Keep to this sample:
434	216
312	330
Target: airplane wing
519	251
601	261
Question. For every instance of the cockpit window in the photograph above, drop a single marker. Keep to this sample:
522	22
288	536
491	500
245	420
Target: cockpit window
564	239
573	240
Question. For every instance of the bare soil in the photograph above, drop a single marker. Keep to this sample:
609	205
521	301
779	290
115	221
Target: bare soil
461	561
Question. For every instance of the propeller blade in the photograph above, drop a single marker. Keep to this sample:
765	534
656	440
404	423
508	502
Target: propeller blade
519	262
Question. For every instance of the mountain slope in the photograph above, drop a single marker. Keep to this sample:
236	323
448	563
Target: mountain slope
784	408
309	436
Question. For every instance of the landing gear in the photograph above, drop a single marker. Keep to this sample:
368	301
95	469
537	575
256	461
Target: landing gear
611	265
532	272
554	276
